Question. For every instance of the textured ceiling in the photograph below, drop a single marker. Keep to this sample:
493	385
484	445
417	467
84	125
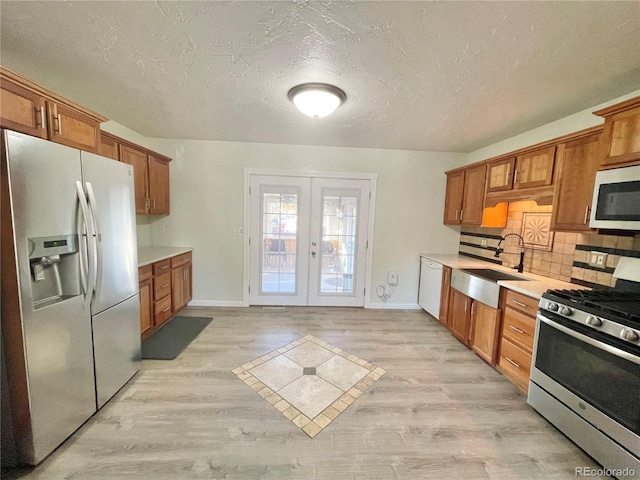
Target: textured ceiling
444	76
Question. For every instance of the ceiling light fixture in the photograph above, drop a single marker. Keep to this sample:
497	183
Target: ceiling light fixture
316	100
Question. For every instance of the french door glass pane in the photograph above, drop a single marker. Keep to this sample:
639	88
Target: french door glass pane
339	230
279	239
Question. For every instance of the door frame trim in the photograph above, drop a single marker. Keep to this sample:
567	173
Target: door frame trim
248	171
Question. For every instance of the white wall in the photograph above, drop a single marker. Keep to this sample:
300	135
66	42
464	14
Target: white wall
564	126
207	202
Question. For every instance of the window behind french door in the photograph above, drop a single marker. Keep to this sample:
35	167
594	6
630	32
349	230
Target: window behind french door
308	240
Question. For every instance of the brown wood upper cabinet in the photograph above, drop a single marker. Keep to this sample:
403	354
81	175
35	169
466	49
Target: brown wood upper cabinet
500	174
620	143
109	146
31	109
534	169
527	170
464	197
151	180
579	161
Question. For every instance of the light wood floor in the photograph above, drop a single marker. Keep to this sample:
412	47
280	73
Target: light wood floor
439	413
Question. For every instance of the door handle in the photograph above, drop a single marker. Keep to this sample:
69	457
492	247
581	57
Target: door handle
313	254
93	208
84	208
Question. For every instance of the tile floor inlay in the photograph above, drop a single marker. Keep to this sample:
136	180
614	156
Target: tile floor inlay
309	381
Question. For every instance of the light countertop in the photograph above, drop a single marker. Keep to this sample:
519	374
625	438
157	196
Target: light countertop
535	286
147	255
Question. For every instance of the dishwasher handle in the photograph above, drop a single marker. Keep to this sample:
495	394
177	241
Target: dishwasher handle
430	264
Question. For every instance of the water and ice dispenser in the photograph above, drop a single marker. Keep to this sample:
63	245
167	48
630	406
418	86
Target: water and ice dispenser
55	269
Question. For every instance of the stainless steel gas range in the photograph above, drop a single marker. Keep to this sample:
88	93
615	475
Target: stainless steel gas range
585	374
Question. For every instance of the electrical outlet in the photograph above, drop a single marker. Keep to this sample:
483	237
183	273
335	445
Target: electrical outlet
598	259
392	278
237	231
483	242
162	229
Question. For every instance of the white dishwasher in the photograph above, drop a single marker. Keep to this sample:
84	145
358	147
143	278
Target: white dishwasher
430	286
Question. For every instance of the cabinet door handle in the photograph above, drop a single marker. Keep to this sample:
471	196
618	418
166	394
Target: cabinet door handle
166	309
40	114
506	180
167	285
465	305
520	303
473	308
154	203
512	362
516	329
461	214
515	179
164	268
57	124
457	213
586	214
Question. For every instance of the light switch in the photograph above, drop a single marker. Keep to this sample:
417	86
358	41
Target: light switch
392	278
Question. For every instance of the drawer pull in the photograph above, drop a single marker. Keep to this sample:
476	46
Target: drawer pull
166	309
167	285
516	329
164	268
512	362
520	303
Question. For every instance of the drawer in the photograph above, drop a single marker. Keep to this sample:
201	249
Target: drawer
162	310
515	363
145	273
161	286
523	303
161	267
518	328
180	260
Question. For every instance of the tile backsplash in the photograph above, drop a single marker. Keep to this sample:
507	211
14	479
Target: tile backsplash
569	255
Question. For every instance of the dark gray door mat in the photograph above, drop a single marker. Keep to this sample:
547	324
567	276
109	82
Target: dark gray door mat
169	342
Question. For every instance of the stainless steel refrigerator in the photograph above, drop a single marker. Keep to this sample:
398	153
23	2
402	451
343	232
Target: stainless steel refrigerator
70	307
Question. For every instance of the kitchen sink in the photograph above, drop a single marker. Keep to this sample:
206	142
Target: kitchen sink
481	283
493	275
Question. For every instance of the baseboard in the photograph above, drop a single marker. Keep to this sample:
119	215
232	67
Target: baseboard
393	306
239	303
215	303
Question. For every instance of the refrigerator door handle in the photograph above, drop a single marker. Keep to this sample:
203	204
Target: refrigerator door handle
84	208
97	281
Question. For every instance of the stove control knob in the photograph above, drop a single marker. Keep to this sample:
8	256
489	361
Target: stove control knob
629	334
594	321
552	306
565	311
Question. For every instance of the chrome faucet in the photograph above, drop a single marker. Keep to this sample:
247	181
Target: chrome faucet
520	266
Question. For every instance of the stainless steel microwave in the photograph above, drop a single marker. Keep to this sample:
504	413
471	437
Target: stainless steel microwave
616	199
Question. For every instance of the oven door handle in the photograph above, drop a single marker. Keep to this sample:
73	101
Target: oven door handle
595	343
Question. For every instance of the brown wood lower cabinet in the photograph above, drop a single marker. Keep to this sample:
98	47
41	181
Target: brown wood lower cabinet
165	289
459	315
181	279
484	331
516	343
145	278
502	337
443	318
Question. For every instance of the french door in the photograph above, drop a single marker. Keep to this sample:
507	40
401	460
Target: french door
308	240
